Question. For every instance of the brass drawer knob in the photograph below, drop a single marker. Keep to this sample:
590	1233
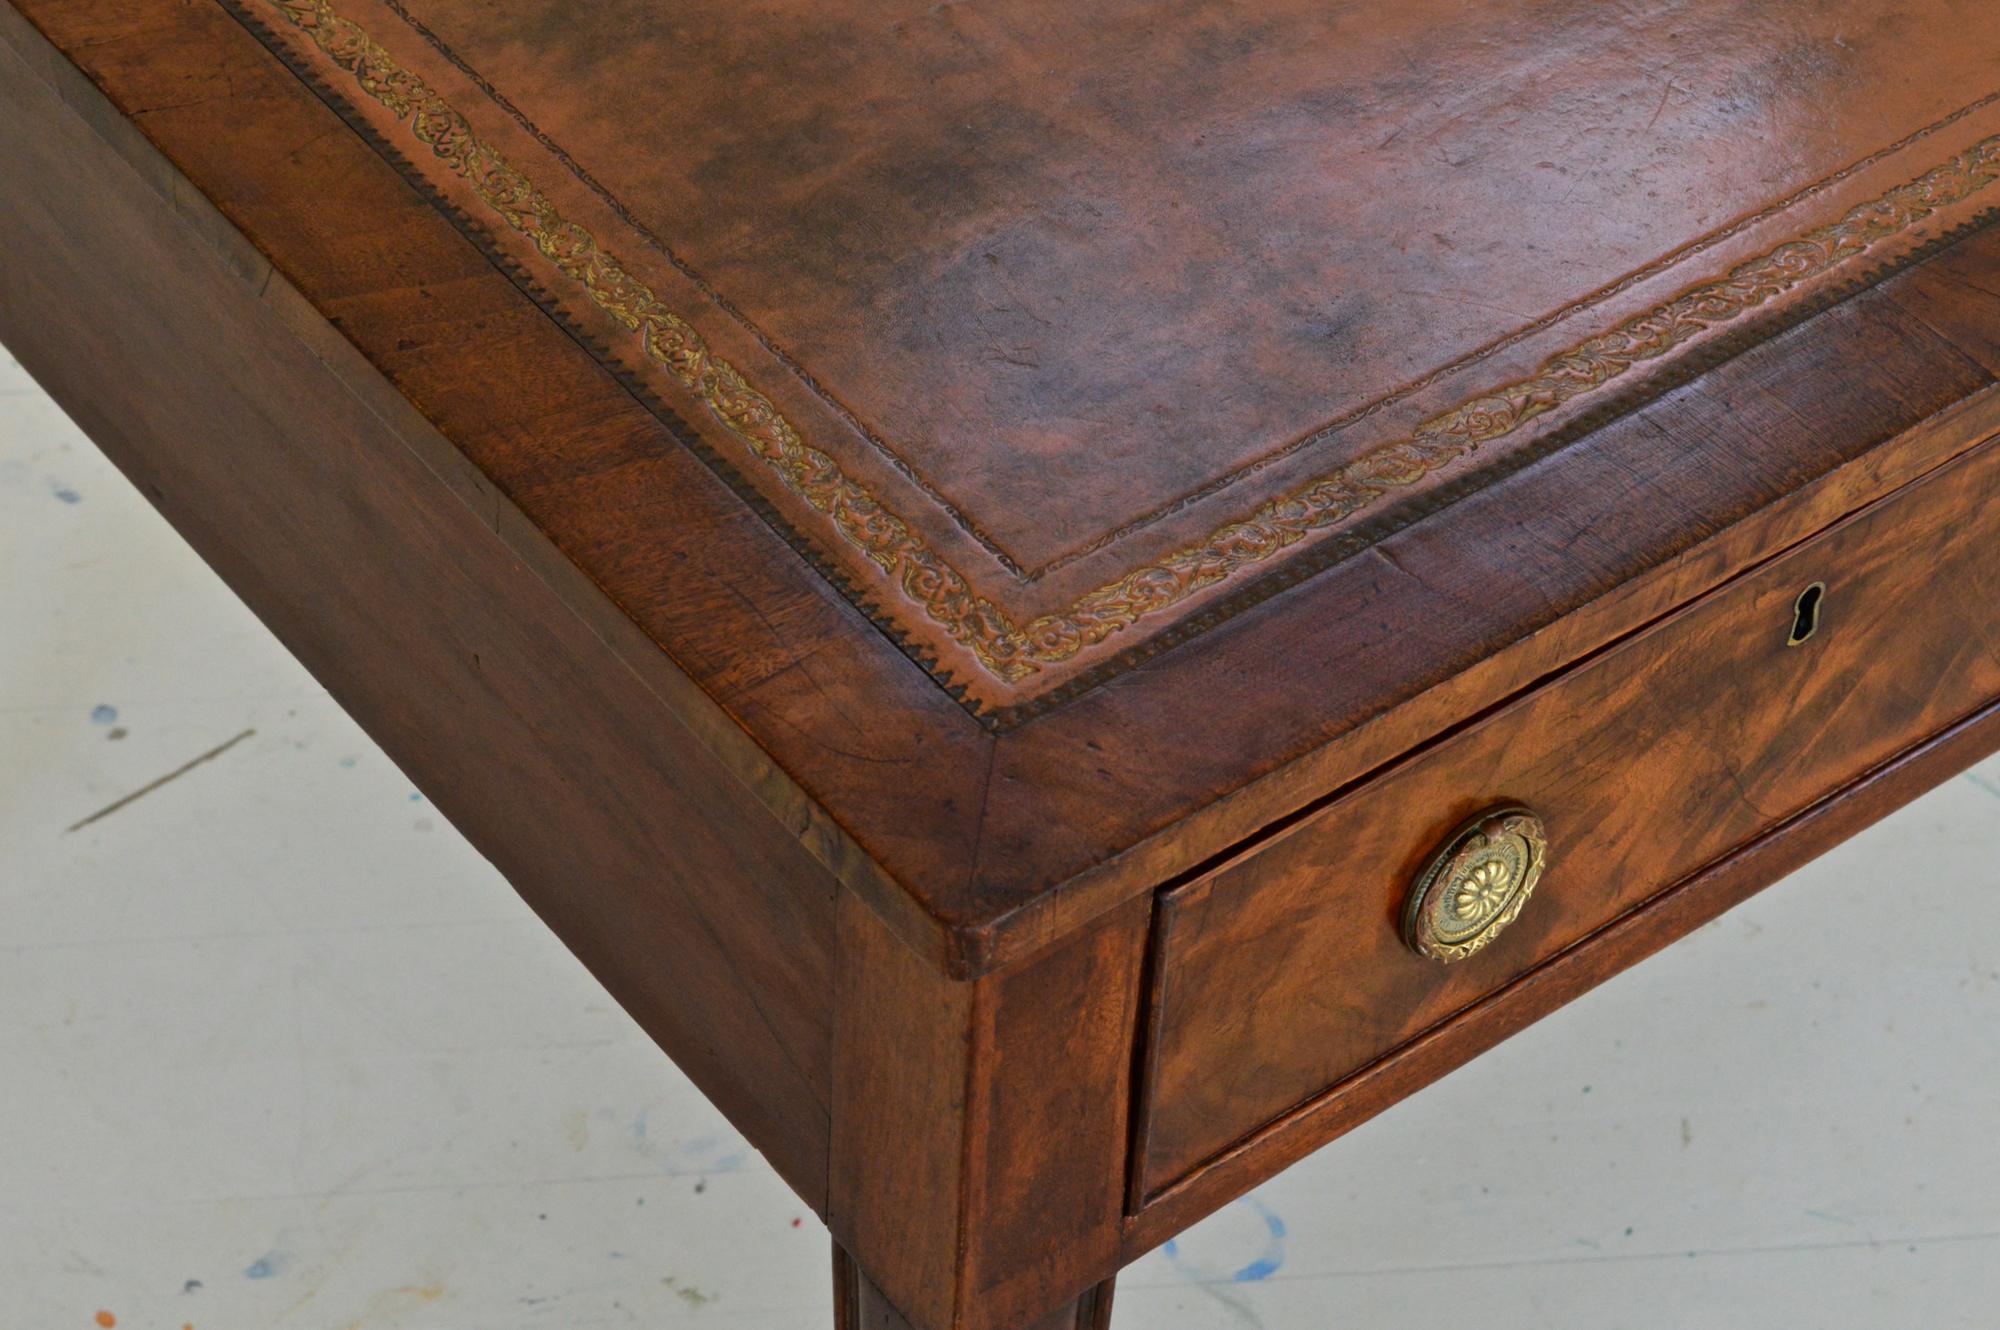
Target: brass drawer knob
1476	884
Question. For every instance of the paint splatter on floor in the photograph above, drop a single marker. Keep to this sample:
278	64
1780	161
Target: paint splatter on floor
688	1293
107	1320
267	1266
1265	1262
103	714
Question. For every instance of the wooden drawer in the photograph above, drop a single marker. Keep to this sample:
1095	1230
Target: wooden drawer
1284	971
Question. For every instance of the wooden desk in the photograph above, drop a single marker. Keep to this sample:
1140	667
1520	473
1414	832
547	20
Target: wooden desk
1064	602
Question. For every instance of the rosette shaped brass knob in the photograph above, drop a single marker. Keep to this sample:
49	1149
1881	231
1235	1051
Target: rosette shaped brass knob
1476	884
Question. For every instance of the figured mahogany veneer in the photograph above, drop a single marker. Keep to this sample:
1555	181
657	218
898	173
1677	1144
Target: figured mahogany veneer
1284	972
961	555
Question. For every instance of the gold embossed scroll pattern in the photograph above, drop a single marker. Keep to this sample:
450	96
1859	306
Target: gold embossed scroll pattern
1016	651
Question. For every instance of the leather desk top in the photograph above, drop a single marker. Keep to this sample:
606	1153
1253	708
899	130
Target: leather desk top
1114	411
1092	314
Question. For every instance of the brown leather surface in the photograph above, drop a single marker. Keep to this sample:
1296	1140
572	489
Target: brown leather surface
1069	289
982	847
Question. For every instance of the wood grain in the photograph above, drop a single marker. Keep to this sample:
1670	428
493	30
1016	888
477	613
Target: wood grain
1624	942
904	946
1284	972
980	1127
859	1305
983	848
702	914
1455	613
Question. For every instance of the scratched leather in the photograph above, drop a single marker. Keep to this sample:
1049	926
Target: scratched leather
1074	261
1059	336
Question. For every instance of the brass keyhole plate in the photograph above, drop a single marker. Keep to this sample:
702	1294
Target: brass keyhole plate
1806	612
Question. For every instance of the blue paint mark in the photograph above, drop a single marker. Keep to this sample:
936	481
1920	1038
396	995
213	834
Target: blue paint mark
713	1154
639	1128
415	797
1267	1262
265	1266
103	714
1273	1256
1983	783
67	495
347	762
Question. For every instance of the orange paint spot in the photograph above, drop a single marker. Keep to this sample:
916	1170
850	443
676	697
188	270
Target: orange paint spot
107	1320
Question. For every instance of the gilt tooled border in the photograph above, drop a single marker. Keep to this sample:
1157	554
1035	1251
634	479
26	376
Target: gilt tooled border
1015	652
1223	480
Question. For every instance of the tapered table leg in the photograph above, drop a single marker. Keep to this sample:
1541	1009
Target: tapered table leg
859	1305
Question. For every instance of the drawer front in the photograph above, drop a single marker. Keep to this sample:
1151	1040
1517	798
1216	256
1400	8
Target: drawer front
1286	970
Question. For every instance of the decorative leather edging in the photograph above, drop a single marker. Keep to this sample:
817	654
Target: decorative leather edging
1014	652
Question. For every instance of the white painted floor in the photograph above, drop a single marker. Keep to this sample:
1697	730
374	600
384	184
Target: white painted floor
278	1050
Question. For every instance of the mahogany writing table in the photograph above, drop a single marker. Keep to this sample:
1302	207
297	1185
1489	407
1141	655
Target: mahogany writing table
1064	601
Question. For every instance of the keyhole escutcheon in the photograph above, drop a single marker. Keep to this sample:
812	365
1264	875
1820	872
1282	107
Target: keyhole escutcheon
1806	612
